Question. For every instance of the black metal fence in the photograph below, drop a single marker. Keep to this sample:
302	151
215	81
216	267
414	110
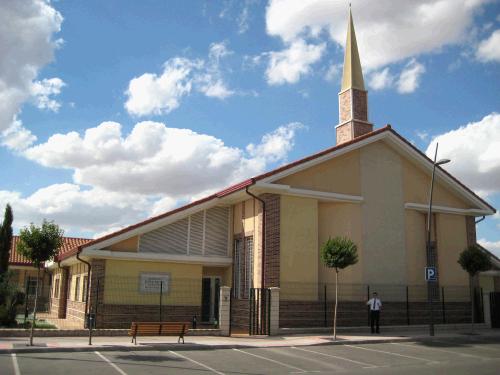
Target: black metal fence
311	305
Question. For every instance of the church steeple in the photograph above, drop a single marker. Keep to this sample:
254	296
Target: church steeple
353	98
353	75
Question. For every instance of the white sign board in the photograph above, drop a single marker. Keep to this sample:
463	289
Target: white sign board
154	282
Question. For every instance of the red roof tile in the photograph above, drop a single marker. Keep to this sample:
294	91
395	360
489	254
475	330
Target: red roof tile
16	259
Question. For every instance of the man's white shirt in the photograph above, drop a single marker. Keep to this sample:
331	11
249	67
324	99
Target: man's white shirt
375	304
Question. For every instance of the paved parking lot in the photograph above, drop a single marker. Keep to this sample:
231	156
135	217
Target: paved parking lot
465	356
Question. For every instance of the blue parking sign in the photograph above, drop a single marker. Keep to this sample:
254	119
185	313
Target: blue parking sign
430	274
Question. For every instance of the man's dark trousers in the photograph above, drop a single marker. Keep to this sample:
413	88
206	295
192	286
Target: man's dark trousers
374	320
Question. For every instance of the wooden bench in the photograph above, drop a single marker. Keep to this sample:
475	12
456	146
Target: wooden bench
158	329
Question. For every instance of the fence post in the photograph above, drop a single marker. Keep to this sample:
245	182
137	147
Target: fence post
225	310
274	315
443	306
161	295
325	305
407	307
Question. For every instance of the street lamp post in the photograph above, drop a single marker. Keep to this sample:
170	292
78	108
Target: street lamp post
430	255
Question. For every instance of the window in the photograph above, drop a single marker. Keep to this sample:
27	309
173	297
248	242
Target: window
84	294
31	286
56	288
77	288
243	266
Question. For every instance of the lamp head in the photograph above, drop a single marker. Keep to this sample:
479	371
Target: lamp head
443	161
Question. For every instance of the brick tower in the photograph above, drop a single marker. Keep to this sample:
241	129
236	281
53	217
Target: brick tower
353	98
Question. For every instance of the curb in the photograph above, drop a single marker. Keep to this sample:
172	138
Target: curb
188	346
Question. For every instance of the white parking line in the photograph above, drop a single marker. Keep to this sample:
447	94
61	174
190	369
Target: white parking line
443	350
364	364
111	363
395	354
15	364
198	363
299	370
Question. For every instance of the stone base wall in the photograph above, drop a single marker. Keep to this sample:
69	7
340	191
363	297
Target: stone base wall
298	314
239	315
121	316
75	311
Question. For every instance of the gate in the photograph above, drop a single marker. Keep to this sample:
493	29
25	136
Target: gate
259	311
495	309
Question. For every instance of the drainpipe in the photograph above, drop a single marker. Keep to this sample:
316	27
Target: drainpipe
478	221
89	267
263	232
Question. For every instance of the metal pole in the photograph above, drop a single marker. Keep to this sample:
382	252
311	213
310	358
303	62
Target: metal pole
325	305
161	295
368	298
407	307
443	305
430	258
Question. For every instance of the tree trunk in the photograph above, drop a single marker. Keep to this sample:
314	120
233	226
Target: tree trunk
336	302
34	308
471	286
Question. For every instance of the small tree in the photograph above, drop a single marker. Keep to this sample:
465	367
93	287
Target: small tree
474	260
338	253
5	240
39	244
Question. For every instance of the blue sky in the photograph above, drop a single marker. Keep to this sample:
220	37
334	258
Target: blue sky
234	88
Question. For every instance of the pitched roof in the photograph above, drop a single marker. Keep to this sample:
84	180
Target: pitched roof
246	183
16	259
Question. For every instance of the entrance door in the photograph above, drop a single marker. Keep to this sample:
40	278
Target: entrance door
495	309
210	299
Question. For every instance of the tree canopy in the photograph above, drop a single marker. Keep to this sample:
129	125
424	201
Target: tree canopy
40	244
5	239
339	253
473	260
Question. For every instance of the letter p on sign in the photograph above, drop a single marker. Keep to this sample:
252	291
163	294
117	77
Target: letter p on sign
430	274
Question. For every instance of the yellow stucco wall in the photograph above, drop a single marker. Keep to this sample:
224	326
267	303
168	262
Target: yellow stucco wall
123	277
298	246
338	175
416	253
451	240
129	245
341	219
416	184
384	260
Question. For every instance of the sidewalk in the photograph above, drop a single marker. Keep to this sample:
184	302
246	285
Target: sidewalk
121	343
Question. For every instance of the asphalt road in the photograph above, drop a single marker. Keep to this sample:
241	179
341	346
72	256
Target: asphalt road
464	356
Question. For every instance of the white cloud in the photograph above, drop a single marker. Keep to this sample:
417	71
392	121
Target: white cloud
381	79
75	209
493	246
387	31
120	179
289	65
333	72
489	49
26	44
16	137
422	134
473	150
409	79
43	92
152	94
155	159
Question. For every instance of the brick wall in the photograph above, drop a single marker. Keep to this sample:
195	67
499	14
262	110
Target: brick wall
360	104
345	106
75	310
470	225
298	314
239	315
272	236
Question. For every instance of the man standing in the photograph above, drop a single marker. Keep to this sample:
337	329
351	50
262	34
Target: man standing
375	305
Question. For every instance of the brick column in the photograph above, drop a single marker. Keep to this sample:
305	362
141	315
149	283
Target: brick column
225	310
63	293
96	295
275	311
272	236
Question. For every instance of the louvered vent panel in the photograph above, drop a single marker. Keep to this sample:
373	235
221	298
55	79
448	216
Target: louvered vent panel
216	231
170	239
196	235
